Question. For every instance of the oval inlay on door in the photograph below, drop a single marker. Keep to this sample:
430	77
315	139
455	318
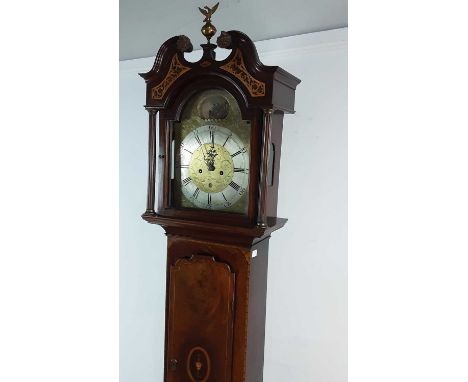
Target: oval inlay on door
198	365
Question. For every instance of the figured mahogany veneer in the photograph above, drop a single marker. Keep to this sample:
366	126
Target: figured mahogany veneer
216	302
201	304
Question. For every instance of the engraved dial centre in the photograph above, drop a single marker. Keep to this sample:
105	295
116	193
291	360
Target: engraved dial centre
211	168
214	167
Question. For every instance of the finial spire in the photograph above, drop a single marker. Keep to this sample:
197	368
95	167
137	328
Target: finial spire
208	30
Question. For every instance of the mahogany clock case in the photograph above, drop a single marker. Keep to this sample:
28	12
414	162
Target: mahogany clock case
263	94
215	286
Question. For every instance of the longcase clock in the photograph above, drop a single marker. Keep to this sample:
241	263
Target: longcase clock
216	154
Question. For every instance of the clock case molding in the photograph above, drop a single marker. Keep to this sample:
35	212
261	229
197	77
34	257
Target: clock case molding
263	93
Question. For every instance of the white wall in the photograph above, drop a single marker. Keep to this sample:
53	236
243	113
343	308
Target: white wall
306	330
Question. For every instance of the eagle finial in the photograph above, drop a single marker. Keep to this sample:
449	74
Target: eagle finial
208	12
208	29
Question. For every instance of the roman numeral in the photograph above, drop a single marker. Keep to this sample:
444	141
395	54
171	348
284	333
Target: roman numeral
198	139
229	136
211	137
209	200
234	185
237	169
187	181
183	166
195	194
182	147
228	203
241	151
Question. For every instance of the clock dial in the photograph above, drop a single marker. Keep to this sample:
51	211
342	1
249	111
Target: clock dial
212	154
214	167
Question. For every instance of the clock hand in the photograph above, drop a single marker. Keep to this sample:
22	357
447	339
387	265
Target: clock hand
210	160
208	155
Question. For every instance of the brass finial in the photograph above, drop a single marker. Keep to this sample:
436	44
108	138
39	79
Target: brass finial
208	30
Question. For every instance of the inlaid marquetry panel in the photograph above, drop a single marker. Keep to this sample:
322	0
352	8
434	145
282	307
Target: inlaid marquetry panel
200	320
236	67
176	69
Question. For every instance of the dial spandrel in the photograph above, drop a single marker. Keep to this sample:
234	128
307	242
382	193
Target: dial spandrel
212	155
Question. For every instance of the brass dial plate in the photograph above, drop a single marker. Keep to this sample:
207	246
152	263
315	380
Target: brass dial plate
214	167
212	154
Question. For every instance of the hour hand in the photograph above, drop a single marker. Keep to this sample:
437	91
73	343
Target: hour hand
211	154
